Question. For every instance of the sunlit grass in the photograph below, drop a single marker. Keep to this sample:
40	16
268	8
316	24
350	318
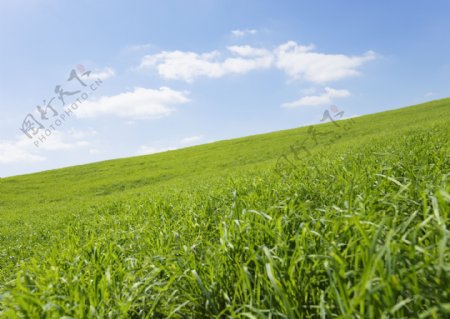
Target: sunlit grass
358	229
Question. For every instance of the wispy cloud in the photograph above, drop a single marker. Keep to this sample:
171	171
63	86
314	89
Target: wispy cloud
141	103
242	33
17	152
94	151
191	140
22	150
184	142
314	100
77	134
103	74
147	150
63	141
137	47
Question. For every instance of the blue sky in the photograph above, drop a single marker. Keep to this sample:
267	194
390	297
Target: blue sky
180	73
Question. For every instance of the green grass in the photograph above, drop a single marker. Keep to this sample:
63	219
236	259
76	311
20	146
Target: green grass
354	225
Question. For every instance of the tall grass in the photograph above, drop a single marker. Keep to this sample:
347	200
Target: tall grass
359	231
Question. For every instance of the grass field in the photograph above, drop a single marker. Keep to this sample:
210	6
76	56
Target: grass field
347	221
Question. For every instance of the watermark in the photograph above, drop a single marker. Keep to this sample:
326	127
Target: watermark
54	112
285	164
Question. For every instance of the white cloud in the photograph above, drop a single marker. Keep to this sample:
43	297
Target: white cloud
242	33
248	51
188	66
61	141
191	140
140	103
137	47
76	134
301	62
184	142
242	66
314	100
309	91
297	61
23	150
104	74
17	152
183	65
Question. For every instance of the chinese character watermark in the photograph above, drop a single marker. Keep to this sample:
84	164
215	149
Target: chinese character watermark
55	111
285	164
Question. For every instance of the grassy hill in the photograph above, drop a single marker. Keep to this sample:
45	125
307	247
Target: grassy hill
346	219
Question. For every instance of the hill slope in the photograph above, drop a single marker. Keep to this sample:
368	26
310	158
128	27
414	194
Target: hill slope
346	219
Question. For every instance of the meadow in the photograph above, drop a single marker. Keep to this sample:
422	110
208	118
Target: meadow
351	222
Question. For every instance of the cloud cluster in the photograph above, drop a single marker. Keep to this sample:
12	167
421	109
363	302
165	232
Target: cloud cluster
188	66
297	61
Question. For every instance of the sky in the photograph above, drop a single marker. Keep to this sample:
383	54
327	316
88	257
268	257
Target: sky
85	81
